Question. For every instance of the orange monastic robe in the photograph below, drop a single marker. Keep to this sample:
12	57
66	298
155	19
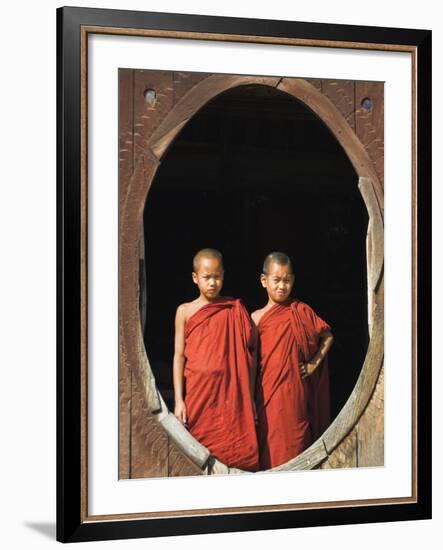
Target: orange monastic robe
218	342
292	412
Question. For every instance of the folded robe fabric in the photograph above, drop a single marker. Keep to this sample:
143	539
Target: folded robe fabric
292	412
218	342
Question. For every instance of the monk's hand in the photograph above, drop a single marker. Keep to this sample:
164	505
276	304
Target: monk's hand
306	369
180	412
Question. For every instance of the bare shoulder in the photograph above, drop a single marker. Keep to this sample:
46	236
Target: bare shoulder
186	310
257	315
180	314
183	310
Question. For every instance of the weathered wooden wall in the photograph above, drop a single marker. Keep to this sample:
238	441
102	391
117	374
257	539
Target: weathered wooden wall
365	444
145	449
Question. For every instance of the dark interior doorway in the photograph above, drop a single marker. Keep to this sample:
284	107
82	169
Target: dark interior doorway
255	171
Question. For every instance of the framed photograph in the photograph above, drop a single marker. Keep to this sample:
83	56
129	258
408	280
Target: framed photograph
244	235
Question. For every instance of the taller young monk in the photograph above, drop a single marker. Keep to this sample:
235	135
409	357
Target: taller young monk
214	367
293	382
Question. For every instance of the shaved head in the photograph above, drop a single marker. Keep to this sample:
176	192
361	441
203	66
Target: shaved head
209	253
279	258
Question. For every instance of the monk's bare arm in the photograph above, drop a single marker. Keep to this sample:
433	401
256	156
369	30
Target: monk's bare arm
179	365
326	339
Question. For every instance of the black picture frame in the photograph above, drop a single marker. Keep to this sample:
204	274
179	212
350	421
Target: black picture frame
72	525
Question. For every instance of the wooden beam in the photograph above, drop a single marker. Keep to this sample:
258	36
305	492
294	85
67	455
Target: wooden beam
307	460
376	258
370	429
184	440
192	101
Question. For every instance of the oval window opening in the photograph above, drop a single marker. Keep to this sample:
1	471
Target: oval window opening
256	171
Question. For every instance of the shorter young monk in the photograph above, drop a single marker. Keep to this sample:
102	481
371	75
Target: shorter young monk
213	368
293	382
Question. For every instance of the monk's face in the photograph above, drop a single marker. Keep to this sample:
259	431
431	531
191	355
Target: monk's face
209	277
278	282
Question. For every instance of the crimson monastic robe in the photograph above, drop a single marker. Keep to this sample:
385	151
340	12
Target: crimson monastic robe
292	412
218	353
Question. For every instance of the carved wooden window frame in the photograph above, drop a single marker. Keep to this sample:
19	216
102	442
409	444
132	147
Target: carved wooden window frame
131	237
